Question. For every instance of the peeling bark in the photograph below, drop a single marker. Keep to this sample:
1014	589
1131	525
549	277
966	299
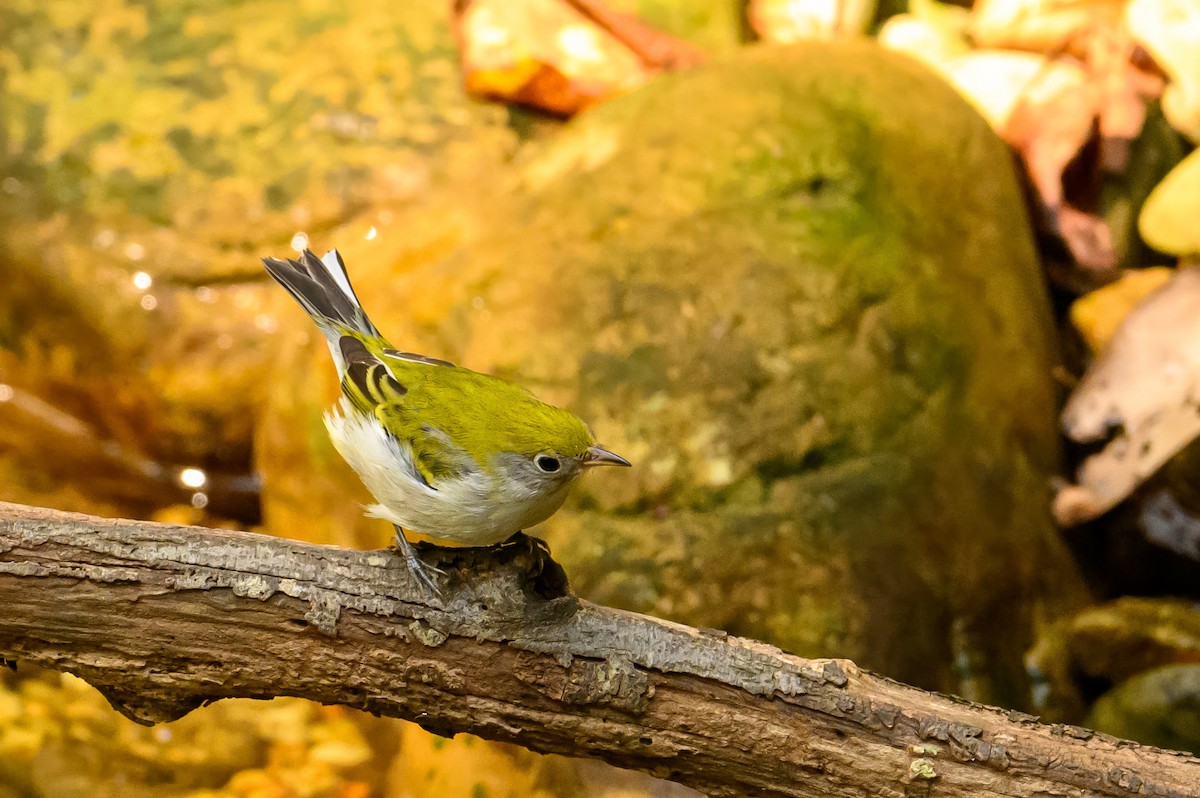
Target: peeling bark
163	618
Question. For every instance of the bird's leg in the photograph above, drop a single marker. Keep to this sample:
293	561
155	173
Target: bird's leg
420	569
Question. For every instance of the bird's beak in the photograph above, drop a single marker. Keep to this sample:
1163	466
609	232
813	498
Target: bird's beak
595	456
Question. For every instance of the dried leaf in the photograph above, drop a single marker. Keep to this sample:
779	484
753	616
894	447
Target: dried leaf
1048	26
560	56
1168	221
544	54
1167	523
787	21
1121	107
1051	120
1088	239
932	32
1142	395
1170	32
656	49
997	82
1097	314
1059	109
1046	109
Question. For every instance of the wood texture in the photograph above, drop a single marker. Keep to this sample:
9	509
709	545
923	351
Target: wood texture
163	618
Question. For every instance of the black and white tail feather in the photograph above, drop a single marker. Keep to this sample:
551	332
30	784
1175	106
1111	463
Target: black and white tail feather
322	287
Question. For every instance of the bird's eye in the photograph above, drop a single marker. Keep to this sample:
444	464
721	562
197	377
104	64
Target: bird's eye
546	463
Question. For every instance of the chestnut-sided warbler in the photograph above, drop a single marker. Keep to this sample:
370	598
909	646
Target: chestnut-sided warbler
447	452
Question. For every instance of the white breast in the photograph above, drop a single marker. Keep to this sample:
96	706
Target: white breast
475	509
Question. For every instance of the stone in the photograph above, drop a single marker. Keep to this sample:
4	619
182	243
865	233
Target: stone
1133	634
1158	707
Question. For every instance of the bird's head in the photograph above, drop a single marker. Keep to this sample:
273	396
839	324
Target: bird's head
549	448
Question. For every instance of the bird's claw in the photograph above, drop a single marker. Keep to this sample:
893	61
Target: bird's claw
421	570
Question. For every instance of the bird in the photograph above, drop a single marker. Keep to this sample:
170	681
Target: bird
452	454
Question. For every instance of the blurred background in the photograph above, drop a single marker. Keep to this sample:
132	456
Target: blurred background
890	305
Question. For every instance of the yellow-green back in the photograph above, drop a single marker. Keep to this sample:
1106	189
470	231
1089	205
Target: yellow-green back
431	404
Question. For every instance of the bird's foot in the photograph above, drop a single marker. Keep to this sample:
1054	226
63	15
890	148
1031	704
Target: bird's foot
529	542
515	539
421	570
544	572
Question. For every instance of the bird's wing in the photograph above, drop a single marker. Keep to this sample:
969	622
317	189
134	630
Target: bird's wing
436	458
373	388
367	381
413	357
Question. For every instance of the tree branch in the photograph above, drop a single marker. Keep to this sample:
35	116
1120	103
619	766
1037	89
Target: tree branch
162	619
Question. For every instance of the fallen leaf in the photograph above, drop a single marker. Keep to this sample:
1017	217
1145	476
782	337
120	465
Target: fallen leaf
1170	219
1088	239
1141	396
787	21
1120	104
1167	523
544	54
996	82
656	49
1047	26
931	32
1170	32
1049	131
1046	109
1096	315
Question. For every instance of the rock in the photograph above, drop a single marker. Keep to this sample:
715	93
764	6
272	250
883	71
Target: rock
797	289
1159	707
1123	638
1112	649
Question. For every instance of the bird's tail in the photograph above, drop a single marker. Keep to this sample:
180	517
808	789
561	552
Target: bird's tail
322	287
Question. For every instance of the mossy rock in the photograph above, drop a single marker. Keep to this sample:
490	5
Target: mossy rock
797	288
1158	707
